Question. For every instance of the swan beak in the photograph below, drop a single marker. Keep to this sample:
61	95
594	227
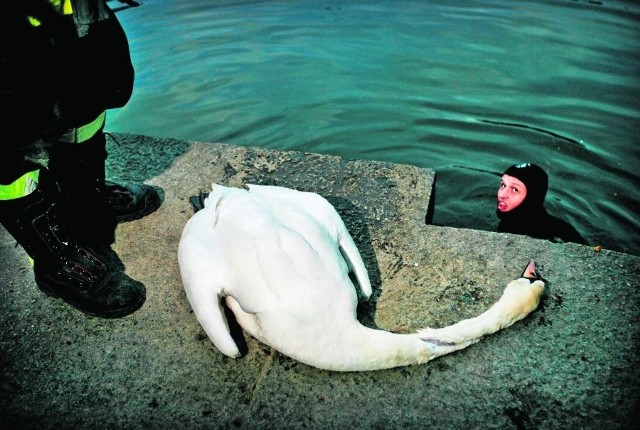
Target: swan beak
530	272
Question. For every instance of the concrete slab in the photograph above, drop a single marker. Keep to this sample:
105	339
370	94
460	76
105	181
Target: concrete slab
574	363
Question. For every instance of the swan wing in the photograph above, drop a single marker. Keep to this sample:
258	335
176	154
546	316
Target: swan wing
312	217
203	278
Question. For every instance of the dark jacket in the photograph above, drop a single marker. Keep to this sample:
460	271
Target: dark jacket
540	224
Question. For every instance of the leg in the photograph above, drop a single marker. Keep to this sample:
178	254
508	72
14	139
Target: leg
90	279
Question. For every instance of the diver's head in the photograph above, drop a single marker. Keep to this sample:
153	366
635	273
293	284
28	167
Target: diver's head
523	186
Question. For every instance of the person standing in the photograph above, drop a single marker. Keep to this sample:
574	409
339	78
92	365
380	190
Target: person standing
64	63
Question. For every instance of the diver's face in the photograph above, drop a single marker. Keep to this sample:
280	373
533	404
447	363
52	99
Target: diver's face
511	193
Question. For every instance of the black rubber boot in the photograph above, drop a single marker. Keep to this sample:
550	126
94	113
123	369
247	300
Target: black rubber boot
90	279
79	168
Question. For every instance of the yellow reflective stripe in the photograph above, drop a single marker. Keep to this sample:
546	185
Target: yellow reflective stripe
21	187
87	131
67	7
63	6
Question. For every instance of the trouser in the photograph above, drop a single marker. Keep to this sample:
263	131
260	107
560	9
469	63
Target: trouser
35	221
76	168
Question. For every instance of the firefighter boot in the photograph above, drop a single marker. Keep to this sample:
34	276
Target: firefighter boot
92	279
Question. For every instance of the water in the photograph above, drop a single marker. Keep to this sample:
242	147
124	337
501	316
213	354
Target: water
465	88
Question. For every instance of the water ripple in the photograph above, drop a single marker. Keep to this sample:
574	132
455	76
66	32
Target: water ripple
465	88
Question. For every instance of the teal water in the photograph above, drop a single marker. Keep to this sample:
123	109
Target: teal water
465	88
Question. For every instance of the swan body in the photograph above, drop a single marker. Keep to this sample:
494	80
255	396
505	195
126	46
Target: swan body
280	260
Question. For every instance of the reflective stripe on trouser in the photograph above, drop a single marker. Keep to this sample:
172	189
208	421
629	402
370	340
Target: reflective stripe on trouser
29	181
64	7
86	132
21	187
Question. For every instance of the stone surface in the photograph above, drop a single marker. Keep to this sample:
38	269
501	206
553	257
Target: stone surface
573	363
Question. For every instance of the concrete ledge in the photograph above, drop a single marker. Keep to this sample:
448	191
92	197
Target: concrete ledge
573	363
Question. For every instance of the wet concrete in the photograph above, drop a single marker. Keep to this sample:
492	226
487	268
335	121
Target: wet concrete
573	363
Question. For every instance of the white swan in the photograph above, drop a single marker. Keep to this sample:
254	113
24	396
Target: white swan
281	259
